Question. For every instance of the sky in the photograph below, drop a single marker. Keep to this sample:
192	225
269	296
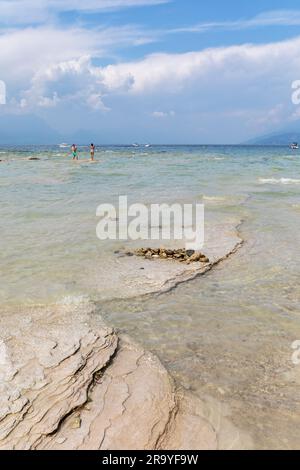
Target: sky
157	71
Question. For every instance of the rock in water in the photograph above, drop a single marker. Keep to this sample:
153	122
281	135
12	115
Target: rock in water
181	255
190	253
195	257
170	252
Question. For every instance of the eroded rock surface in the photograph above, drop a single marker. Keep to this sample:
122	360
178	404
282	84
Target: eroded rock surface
70	382
136	275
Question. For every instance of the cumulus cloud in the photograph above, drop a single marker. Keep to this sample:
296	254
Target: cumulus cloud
69	81
170	73
45	46
209	75
246	85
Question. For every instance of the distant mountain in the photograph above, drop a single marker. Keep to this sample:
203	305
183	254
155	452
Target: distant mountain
26	129
280	138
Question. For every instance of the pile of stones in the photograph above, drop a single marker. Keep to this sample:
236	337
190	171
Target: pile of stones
181	255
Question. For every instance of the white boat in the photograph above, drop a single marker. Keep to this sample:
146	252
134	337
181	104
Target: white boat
135	145
147	146
64	145
294	146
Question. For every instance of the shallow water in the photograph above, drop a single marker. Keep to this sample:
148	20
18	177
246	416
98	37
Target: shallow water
227	334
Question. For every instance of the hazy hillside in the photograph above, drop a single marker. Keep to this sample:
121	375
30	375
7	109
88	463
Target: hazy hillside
19	130
284	138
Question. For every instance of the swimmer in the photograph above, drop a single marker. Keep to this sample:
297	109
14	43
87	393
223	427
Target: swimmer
92	149
74	152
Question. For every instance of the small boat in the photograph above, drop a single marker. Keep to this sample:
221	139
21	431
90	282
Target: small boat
294	146
135	145
147	146
64	145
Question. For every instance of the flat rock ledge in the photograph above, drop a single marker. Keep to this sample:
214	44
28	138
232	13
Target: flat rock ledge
67	381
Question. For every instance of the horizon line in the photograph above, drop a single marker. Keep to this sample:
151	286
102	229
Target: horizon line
143	145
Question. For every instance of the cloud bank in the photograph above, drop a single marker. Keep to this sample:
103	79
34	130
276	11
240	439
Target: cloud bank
225	91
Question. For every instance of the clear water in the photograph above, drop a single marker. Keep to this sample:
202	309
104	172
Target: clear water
227	334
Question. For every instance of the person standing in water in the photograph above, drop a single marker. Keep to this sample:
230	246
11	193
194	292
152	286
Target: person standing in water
92	149
74	152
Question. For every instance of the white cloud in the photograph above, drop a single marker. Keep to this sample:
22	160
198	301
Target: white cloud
163	114
248	85
38	11
210	74
270	18
31	11
46	46
172	73
66	81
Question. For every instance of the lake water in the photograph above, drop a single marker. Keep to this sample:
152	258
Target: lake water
227	334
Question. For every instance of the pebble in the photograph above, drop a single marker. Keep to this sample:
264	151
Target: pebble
76	423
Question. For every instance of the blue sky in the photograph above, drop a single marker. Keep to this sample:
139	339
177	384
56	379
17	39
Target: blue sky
177	71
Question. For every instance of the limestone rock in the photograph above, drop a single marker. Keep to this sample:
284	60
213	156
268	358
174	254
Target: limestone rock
69	382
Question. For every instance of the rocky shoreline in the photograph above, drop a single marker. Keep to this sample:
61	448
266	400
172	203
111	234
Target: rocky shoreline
70	382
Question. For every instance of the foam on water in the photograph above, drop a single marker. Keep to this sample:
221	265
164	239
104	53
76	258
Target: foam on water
214	198
279	181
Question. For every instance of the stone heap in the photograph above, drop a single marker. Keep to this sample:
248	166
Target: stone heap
181	255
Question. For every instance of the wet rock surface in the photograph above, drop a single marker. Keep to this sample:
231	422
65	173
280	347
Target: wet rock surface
70	382
153	272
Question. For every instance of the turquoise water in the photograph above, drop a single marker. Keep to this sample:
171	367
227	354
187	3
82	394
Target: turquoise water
227	334
48	207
